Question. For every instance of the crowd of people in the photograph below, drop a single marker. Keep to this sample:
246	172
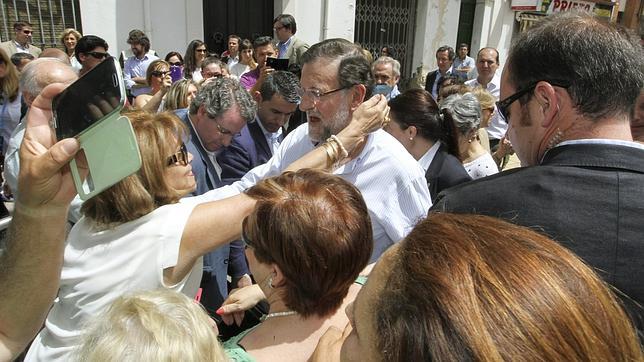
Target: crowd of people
318	212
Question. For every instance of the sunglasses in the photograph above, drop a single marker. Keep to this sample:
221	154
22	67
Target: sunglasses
158	73
27	32
176	64
200	50
504	105
180	157
98	55
244	237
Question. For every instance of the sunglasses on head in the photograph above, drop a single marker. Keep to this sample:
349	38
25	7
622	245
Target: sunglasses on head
180	157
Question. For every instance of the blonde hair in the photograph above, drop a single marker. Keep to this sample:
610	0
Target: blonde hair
486	99
66	32
141	193
156	325
153	67
177	96
9	85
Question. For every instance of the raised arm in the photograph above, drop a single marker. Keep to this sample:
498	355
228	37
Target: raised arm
30	267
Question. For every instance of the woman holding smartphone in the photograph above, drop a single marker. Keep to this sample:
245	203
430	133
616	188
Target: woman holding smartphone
136	236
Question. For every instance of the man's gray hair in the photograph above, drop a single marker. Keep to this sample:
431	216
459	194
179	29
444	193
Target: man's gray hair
395	65
465	111
221	95
34	78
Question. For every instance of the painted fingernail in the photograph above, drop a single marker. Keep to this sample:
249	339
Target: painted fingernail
220	311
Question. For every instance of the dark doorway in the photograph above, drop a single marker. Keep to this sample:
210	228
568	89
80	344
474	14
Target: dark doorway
465	24
391	23
246	18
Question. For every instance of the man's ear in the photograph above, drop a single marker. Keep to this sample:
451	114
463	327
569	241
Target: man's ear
257	96
546	95
358	93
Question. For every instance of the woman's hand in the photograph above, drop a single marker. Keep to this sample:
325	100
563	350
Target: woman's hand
239	301
368	117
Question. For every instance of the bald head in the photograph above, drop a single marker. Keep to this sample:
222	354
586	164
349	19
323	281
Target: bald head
55	53
42	72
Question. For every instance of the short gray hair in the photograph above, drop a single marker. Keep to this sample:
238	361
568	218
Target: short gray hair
221	95
34	78
465	111
395	65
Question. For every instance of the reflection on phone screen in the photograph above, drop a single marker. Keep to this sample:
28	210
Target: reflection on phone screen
87	100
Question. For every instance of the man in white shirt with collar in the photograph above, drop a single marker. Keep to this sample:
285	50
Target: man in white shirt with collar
582	183
137	65
487	64
335	80
289	46
21	43
276	100
231	55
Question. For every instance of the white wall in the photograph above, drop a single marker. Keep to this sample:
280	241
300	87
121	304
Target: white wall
436	25
320	19
493	27
170	24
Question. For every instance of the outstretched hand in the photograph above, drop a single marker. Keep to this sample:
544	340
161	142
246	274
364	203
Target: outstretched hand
239	301
44	178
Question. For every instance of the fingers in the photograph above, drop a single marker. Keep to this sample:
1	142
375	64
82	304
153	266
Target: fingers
57	157
239	317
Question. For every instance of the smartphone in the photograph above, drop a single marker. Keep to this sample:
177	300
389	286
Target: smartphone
176	73
277	64
94	96
89	110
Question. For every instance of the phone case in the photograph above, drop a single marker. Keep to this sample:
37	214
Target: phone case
112	154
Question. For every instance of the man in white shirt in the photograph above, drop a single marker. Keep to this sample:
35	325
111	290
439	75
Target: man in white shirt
487	64
276	100
136	66
335	80
231	55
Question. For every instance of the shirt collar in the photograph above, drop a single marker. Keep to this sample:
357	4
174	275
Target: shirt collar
286	42
268	134
428	157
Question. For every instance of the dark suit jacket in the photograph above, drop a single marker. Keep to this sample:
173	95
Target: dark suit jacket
246	151
590	198
444	172
429	81
215	263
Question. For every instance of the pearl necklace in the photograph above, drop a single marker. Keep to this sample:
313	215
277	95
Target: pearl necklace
277	314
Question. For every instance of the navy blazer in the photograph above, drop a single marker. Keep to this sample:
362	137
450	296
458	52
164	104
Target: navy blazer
444	172
215	263
247	150
588	197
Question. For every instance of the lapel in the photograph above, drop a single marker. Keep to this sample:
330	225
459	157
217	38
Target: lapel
259	139
211	173
290	49
437	163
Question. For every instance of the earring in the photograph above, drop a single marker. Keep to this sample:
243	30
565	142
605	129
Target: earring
411	138
270	282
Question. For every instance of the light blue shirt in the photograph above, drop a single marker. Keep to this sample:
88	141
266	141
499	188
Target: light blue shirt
283	47
135	67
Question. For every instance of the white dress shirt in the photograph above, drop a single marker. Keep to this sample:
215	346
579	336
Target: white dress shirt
498	126
272	138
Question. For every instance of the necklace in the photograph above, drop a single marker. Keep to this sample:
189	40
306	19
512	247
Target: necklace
277	314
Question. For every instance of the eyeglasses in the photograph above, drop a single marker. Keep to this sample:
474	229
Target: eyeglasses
98	55
200	50
180	157
27	32
207	75
223	130
158	73
176	64
504	105
316	94
247	242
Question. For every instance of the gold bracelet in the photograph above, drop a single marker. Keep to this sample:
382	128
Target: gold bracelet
331	155
335	138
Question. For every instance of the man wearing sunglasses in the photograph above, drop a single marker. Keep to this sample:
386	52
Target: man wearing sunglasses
21	42
567	92
90	51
